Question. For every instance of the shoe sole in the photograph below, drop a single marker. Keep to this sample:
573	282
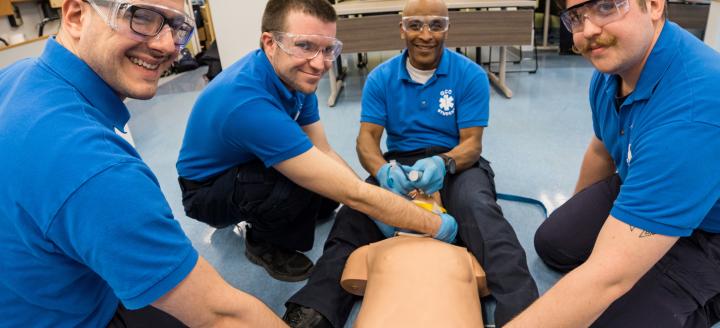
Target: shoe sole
282	277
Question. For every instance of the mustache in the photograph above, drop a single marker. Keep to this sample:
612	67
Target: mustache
607	41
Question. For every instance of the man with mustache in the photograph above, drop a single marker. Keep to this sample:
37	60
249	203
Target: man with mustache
88	239
640	239
255	149
434	104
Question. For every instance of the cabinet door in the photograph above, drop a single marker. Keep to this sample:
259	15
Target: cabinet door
6	8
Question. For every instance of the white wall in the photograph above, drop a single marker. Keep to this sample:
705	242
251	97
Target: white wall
712	32
31	16
237	27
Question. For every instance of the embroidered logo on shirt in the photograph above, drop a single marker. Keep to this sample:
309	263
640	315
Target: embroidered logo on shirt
447	104
629	156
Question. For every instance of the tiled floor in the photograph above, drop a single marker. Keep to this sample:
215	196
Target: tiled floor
535	142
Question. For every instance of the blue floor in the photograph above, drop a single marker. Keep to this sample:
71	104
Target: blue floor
535	142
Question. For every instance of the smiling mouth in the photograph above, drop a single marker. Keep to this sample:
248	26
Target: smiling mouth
144	64
424	47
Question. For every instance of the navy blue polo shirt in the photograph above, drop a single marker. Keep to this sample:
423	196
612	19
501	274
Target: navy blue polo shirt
418	116
665	137
83	222
245	113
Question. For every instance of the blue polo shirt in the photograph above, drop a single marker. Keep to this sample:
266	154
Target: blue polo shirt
245	113
418	116
665	137
83	222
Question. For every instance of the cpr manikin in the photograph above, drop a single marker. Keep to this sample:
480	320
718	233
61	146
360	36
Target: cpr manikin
416	281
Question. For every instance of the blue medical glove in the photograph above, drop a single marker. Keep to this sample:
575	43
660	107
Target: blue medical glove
433	174
391	177
448	229
387	230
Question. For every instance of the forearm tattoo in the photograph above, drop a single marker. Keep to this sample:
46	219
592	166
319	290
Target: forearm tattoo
643	233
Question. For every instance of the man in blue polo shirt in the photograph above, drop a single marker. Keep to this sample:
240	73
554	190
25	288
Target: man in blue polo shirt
434	104
87	236
641	236
255	149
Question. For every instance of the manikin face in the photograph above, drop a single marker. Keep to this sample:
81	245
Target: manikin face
298	73
619	46
425	47
132	68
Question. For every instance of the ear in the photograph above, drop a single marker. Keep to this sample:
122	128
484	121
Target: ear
657	8
72	18
268	43
402	32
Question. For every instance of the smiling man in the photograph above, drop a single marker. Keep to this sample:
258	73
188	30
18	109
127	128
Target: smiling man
640	239
255	149
87	237
434	105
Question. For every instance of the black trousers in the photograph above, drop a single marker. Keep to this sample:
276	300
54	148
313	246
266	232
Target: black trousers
147	317
280	212
470	197
681	290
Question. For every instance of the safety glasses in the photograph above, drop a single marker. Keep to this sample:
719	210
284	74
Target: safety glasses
308	46
417	23
143	21
599	12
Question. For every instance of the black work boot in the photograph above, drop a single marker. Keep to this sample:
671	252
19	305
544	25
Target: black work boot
281	264
298	316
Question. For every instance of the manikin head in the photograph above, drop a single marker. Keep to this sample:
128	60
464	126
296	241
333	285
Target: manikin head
298	37
129	44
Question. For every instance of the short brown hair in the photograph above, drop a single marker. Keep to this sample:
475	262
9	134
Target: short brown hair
276	10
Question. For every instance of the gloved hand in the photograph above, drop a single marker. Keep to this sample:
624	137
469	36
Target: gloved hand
448	229
391	177
387	230
433	174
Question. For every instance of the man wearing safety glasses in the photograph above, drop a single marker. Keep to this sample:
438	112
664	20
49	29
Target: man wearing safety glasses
87	237
640	239
434	104
255	149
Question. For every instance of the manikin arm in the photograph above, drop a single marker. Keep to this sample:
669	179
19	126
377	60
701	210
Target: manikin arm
479	274
355	275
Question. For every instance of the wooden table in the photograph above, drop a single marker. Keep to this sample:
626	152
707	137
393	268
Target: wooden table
372	25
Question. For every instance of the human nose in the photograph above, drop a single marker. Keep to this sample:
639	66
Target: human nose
589	28
164	41
318	62
425	33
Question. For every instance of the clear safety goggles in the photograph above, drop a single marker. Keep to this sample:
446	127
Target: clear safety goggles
417	23
308	46
599	12
143	21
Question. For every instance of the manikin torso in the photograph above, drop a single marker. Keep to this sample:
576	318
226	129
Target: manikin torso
415	281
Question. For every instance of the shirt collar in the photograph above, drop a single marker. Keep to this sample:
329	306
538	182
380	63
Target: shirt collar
442	68
662	55
280	87
94	89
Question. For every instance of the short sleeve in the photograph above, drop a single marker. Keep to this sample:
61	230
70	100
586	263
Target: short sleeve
594	89
474	107
120	226
265	130
374	107
673	179
309	113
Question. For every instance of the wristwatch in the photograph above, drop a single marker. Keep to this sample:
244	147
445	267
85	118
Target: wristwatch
449	163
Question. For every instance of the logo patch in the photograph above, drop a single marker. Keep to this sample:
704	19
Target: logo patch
629	156
447	103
